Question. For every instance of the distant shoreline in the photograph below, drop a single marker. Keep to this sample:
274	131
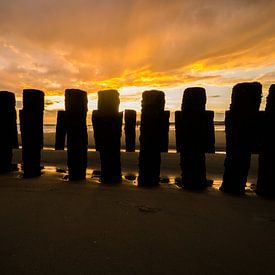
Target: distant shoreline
50	129
219	122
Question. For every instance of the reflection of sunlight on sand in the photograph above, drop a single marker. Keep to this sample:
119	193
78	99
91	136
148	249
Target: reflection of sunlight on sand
93	176
216	184
249	189
59	173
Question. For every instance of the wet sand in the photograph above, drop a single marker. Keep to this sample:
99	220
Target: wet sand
50	226
129	163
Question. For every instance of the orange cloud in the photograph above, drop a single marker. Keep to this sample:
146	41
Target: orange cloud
92	45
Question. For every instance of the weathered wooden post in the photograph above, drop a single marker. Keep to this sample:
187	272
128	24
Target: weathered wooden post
61	130
195	136
107	125
165	132
31	126
75	125
242	124
130	118
8	135
153	117
266	171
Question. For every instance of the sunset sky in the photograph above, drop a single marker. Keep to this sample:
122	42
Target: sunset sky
134	45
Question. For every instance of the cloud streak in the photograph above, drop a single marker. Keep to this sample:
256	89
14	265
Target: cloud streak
92	44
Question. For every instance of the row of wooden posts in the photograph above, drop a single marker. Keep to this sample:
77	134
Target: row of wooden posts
248	131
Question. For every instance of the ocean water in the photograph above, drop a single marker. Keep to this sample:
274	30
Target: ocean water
50	128
49	137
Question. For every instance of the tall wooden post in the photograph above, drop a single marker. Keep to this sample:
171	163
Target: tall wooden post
76	106
31	126
107	125
266	171
242	124
153	117
195	136
8	135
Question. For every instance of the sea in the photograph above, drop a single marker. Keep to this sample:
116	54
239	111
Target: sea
50	128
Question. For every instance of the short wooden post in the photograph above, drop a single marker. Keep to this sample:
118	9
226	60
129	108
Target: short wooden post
130	117
61	130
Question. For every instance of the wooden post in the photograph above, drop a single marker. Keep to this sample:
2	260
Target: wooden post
130	119
195	136
165	132
61	130
31	126
8	135
242	124
76	106
266	171
151	141
107	125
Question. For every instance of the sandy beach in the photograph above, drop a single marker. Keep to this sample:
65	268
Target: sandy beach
51	226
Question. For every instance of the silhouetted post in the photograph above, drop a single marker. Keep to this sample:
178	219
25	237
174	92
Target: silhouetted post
195	136
266	171
107	125
76	106
130	117
151	139
242	135
165	132
31	126
8	135
61	130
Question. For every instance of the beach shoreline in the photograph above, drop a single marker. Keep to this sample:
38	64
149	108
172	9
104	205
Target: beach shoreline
170	163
